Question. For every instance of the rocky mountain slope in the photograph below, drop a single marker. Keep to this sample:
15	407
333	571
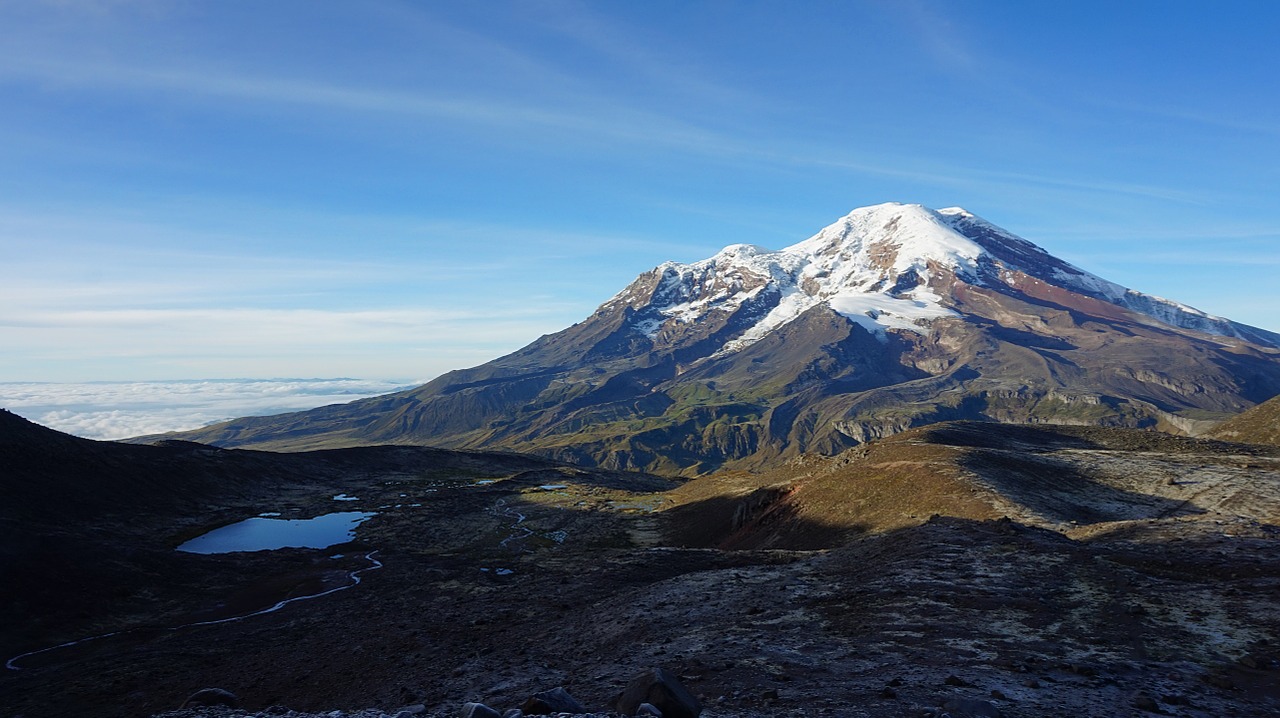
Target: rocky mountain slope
894	316
1259	425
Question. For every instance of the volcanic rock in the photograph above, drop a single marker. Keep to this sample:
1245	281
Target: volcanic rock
660	688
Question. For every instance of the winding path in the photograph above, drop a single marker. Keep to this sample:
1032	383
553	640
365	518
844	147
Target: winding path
354	577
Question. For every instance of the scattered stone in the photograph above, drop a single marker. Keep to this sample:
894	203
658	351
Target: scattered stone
956	681
513	713
416	709
477	710
1082	669
770	694
212	697
648	709
888	693
970	708
1219	681
556	700
1146	703
999	695
661	689
896	683
1032	683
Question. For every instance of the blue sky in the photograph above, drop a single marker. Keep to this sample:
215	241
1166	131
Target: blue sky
394	189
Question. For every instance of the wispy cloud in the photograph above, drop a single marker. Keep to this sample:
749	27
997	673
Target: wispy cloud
598	117
579	112
222	329
939	35
1237	121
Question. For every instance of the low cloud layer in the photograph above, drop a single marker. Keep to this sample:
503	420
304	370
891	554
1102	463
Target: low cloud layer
116	410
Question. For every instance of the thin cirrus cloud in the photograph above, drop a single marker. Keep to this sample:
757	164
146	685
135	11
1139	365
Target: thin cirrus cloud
600	117
582	114
222	330
585	111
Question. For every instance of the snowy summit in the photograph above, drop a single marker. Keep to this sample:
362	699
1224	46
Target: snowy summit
885	267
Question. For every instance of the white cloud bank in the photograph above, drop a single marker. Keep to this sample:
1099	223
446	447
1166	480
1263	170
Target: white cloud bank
116	410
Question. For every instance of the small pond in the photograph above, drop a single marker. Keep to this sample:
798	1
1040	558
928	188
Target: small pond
264	534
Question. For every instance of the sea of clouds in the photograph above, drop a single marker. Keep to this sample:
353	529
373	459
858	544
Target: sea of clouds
116	410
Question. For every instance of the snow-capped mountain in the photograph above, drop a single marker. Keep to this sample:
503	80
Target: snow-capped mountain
889	266
892	317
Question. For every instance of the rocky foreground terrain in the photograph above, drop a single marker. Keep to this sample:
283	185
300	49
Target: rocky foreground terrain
967	569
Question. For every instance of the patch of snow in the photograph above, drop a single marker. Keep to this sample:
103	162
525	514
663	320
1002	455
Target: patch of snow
878	312
649	327
344	497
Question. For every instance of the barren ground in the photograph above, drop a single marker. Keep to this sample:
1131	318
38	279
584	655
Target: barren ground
1129	568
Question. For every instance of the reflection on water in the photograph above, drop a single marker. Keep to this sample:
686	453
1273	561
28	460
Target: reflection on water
263	534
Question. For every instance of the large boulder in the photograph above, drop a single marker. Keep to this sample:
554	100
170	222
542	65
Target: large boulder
477	710
212	697
659	688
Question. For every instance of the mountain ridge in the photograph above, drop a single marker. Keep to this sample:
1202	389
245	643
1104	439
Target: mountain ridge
894	316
